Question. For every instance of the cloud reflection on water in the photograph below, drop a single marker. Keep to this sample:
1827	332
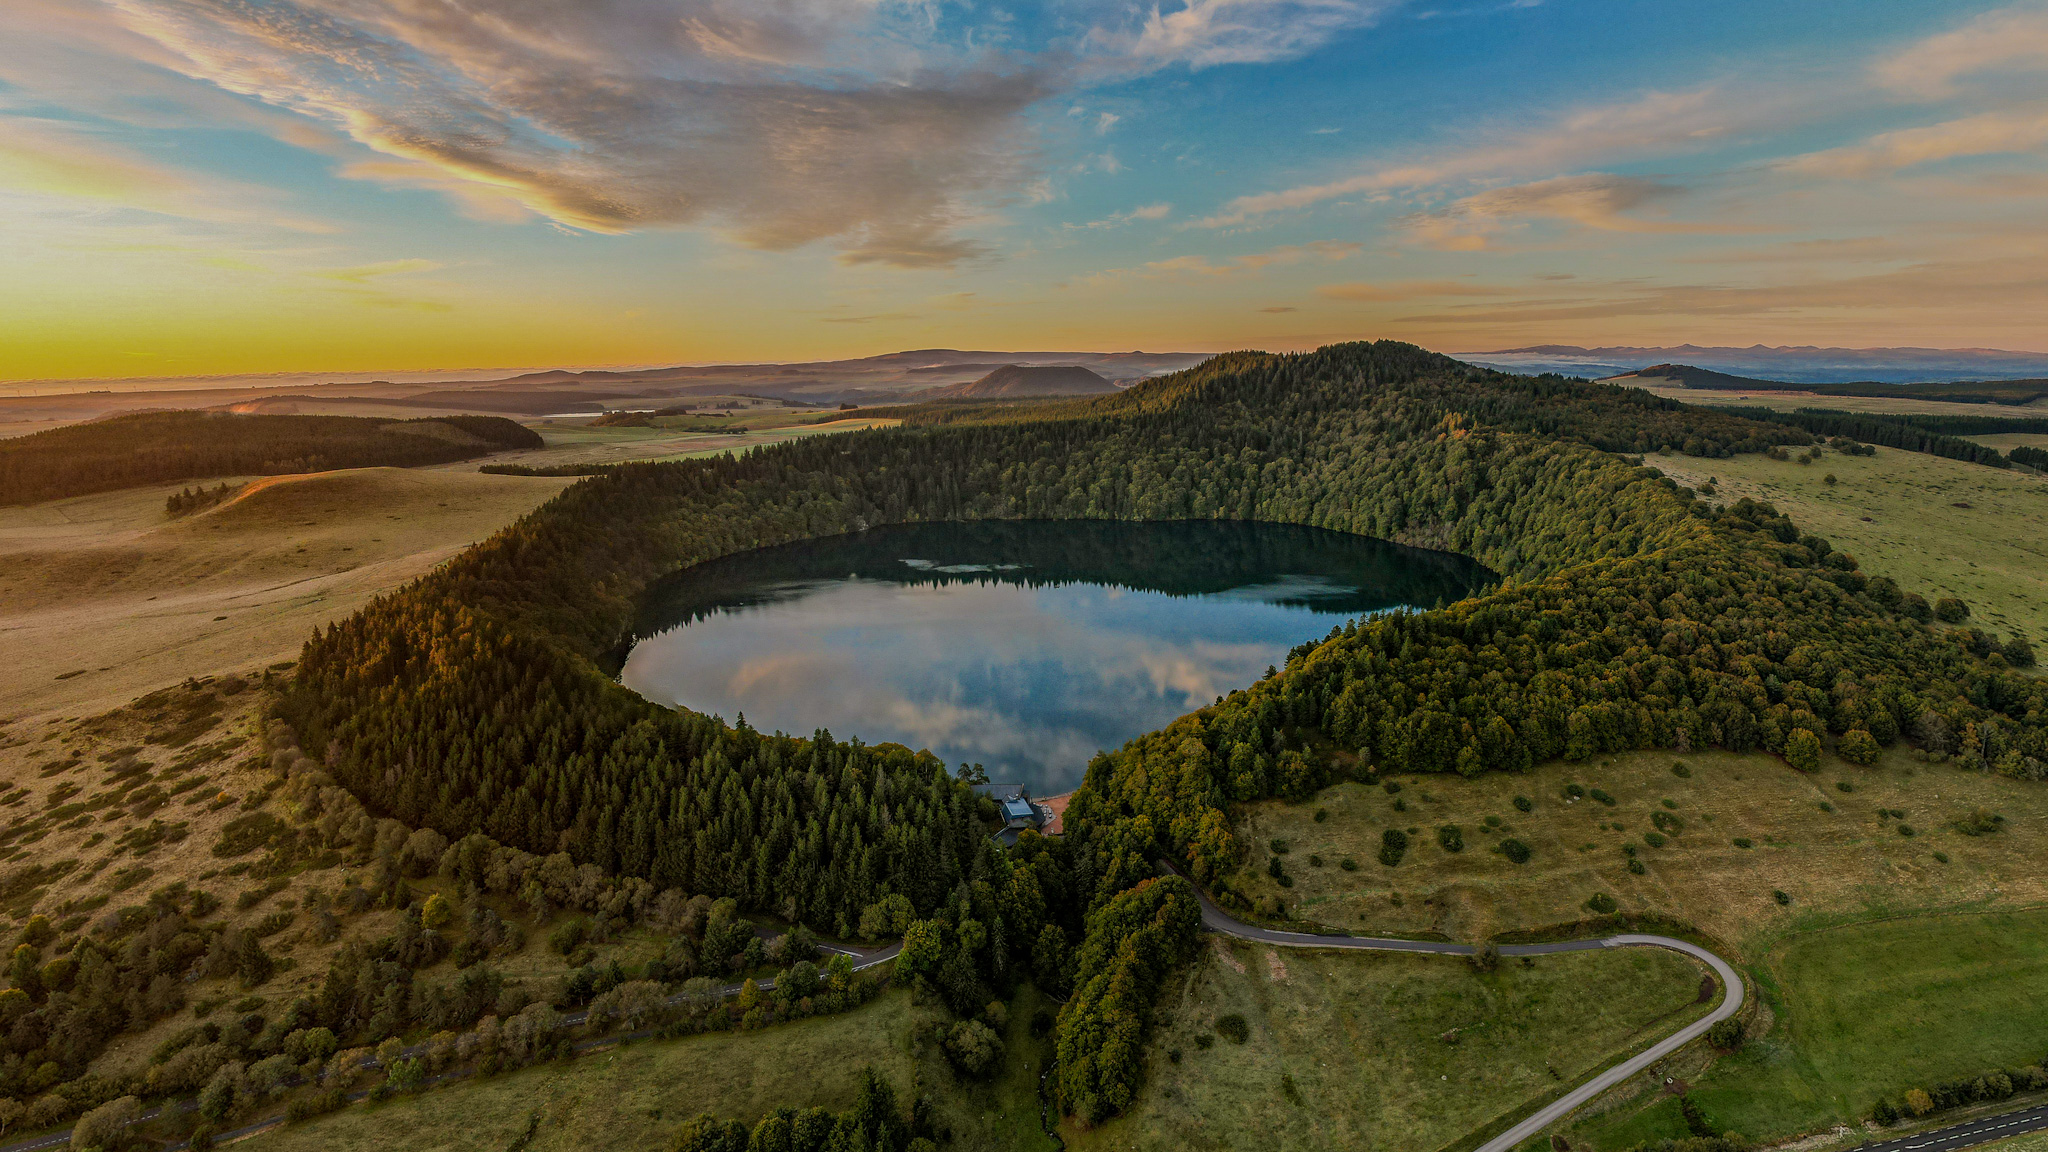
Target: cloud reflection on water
1029	682
1025	646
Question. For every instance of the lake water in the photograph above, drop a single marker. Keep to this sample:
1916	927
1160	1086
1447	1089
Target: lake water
1023	646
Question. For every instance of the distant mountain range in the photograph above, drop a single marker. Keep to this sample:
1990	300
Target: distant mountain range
869	380
1806	364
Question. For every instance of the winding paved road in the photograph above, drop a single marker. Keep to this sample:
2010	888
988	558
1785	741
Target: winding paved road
1216	920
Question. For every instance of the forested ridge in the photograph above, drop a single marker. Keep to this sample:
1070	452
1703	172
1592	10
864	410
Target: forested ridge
1634	615
162	447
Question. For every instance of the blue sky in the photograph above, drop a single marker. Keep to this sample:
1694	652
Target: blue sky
199	186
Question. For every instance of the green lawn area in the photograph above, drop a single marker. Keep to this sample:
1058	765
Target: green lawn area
1363	1038
632	1097
1867	1011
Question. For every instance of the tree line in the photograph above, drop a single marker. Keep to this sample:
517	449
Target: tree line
1906	432
163	447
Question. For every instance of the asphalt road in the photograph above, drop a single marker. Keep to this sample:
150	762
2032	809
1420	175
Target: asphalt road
862	960
1968	1133
1216	920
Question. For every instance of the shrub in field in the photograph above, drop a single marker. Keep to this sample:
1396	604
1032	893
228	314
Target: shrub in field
1233	1028
1393	846
1726	1034
1515	850
1603	904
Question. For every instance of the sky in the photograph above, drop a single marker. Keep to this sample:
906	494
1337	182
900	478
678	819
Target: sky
232	186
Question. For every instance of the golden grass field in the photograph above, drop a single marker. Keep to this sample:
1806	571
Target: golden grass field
1379	1044
107	592
1896	513
578	442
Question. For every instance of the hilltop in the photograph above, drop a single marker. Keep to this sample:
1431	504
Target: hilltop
1012	381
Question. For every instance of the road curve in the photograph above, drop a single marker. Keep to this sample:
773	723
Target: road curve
1216	920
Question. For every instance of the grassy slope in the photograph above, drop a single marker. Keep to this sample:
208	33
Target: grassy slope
108	587
1991	554
1865	1011
1862	1008
633	1097
1848	863
1362	1037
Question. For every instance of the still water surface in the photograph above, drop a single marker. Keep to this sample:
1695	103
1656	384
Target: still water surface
1023	646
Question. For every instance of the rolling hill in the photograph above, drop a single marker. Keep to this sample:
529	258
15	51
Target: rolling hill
1016	381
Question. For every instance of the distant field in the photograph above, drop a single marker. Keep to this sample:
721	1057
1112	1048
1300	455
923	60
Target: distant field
2006	442
580	443
1787	401
1896	512
108	592
1363	1038
633	1097
1867	1011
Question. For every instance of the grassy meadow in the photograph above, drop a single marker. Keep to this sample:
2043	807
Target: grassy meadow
1863	1012
104	598
1347	1049
577	441
1898	513
1836	854
633	1096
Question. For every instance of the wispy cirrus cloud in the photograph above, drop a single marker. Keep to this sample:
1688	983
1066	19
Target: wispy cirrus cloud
1985	134
68	166
2005	49
1649	124
1201	267
1205	33
1403	290
872	125
1597	200
1159	211
2009	38
781	124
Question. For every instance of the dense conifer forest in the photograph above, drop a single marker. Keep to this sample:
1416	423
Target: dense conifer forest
162	447
1632	615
